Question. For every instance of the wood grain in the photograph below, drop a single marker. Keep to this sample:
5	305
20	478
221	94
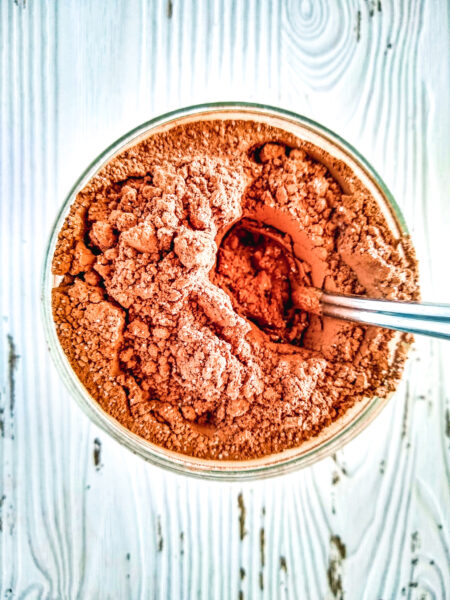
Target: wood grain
80	517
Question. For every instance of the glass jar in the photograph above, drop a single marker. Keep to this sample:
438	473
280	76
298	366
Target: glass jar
331	438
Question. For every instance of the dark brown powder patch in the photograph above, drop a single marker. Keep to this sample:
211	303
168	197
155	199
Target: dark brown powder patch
256	267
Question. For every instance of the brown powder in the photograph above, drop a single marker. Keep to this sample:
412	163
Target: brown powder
259	273
183	305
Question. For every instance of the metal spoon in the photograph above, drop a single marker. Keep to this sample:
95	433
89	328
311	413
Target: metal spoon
413	317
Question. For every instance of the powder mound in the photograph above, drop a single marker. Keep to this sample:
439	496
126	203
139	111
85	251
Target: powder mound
195	249
186	305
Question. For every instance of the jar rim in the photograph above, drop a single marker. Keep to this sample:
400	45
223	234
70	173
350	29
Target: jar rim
356	418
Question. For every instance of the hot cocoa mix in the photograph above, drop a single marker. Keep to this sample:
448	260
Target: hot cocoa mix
184	263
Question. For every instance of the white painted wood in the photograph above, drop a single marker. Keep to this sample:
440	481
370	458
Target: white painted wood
74	76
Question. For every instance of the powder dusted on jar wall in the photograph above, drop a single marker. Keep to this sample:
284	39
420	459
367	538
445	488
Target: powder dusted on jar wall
183	265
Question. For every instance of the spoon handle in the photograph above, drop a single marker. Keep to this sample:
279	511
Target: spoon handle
413	317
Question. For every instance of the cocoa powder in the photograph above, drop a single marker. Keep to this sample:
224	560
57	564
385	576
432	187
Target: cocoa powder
183	303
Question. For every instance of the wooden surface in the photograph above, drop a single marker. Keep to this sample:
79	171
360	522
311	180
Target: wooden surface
80	517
